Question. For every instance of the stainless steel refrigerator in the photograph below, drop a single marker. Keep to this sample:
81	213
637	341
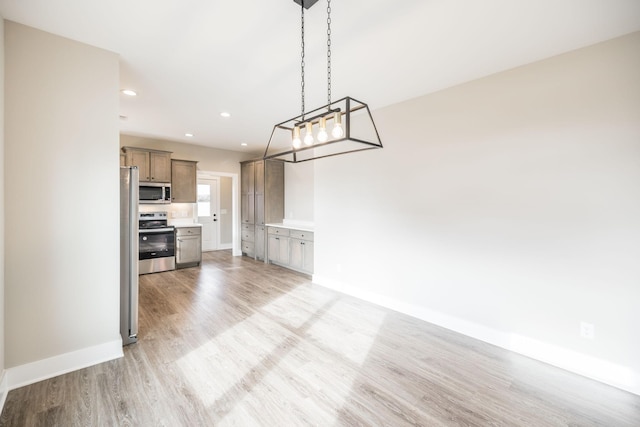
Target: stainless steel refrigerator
129	254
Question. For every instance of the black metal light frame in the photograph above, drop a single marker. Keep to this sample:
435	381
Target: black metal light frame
285	143
348	143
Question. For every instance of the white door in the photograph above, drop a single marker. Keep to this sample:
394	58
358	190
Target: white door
208	212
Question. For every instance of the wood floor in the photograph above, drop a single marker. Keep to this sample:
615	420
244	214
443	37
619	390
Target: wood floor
240	343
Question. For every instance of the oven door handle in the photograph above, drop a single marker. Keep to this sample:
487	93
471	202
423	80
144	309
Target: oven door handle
156	230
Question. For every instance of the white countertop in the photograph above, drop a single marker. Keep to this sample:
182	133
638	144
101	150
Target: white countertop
301	227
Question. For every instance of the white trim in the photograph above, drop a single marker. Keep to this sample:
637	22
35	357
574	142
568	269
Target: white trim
235	210
40	370
4	389
600	370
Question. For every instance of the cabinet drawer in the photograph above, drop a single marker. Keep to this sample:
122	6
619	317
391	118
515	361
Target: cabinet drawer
304	235
247	248
278	231
247	235
247	227
188	231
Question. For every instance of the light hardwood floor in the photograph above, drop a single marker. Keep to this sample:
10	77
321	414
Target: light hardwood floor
240	343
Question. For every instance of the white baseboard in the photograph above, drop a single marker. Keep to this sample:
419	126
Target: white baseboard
4	389
600	370
40	370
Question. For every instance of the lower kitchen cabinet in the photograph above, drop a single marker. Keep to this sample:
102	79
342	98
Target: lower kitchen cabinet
188	246
278	247
301	252
259	236
291	248
248	240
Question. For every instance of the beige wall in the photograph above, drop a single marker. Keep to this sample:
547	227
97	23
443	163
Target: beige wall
2	345
61	151
506	208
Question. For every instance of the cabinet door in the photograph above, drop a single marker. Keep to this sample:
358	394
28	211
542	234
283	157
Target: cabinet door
247	178
301	255
160	166
246	207
188	249
273	204
274	247
259	177
307	264
259	200
296	259
183	181
141	160
259	241
279	249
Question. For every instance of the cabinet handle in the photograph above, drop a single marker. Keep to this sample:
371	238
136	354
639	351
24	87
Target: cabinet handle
302	243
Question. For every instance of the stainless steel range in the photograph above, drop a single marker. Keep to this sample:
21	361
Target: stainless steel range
157	243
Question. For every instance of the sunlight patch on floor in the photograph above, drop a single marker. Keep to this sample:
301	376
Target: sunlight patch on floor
273	361
219	365
296	307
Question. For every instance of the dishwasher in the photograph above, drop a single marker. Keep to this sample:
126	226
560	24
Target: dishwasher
188	246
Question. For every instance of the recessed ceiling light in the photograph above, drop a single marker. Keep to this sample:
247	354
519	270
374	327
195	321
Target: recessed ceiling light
188	135
225	114
244	144
129	92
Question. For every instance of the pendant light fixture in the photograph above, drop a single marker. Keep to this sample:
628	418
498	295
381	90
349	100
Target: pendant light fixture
340	127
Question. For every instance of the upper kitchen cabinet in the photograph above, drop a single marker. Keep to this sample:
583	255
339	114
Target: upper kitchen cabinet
183	181
154	165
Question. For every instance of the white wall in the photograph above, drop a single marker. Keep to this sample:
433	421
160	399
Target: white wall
61	151
506	208
299	191
2	346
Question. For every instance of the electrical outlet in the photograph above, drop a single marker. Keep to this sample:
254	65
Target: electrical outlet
587	330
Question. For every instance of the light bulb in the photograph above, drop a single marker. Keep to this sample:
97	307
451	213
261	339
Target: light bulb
337	131
308	137
322	133
296	138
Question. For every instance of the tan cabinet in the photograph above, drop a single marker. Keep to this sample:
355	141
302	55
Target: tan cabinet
154	165
291	248
262	201
183	181
278	246
248	236
188	246
247	185
301	251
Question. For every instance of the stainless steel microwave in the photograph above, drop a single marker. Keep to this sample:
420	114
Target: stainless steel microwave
155	192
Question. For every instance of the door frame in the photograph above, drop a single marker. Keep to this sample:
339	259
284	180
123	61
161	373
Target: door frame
216	183
235	211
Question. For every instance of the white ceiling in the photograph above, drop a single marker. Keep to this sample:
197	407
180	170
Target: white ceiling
191	60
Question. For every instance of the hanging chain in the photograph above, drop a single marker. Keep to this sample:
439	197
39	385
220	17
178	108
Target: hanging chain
302	57
329	51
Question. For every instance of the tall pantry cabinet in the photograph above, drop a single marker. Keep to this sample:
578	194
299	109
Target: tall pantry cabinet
262	202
